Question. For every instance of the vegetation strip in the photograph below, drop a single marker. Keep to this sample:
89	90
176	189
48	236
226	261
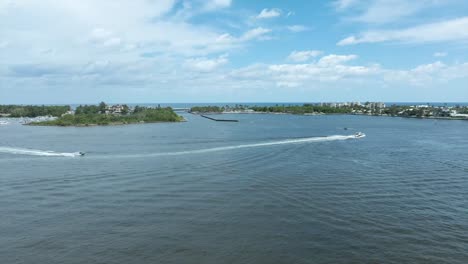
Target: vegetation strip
103	115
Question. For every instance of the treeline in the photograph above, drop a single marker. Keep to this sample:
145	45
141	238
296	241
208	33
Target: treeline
304	109
33	110
140	115
98	109
206	109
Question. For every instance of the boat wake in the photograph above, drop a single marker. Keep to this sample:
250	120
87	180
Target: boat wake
34	152
244	146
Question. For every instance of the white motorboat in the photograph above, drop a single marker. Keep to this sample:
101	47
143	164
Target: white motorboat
359	135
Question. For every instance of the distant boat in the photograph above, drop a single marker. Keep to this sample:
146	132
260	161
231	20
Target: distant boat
345	128
359	135
81	153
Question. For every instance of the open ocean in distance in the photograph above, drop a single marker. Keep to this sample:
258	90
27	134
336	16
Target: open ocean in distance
268	189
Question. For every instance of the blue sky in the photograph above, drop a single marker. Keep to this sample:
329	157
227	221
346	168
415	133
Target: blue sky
136	51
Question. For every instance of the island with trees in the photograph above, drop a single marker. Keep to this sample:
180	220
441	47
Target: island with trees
104	115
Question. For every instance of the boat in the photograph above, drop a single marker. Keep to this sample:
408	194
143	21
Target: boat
359	135
81	153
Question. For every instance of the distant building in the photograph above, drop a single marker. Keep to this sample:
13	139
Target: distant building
116	109
442	112
454	113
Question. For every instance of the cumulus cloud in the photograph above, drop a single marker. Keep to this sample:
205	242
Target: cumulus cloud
301	56
269	13
449	30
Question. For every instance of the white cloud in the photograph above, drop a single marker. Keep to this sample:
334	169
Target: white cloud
334	59
94	53
269	13
384	11
206	65
344	4
256	33
440	54
429	68
89	29
428	74
105	38
217	4
301	56
185	79
297	28
449	30
330	68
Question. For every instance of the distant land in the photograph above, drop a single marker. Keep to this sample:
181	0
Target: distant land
121	114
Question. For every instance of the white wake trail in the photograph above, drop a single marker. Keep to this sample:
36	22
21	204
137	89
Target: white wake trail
35	152
244	146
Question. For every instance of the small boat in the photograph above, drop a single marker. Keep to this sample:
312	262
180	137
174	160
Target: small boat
345	128
81	153
359	135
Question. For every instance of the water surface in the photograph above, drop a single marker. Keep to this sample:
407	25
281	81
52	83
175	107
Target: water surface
269	189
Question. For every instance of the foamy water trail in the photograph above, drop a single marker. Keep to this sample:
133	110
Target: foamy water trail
244	146
35	152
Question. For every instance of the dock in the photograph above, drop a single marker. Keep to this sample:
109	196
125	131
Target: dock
219	120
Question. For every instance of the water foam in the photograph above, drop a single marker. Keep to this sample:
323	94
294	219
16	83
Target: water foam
35	152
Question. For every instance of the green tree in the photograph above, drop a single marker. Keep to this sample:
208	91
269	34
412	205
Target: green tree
102	107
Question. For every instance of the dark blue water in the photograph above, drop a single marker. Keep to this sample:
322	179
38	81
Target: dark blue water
269	189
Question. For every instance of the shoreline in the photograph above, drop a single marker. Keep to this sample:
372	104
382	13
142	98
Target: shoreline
325	114
110	124
240	112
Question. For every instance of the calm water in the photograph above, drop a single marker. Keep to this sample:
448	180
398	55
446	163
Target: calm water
264	190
